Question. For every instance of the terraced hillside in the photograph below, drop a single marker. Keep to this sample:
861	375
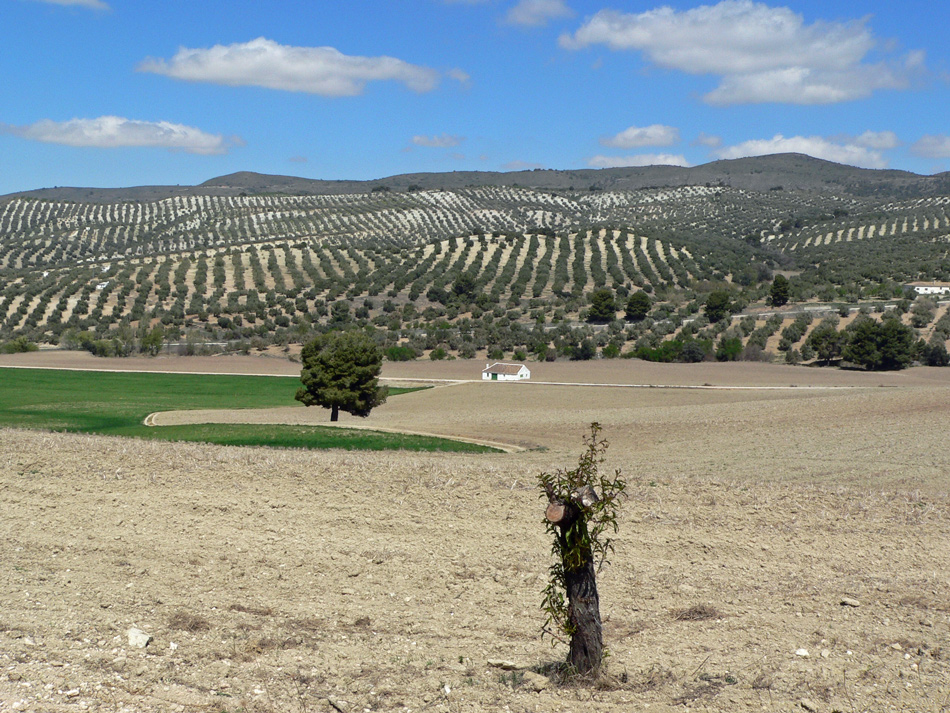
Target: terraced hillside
494	267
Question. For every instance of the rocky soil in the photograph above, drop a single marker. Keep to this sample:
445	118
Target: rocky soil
780	550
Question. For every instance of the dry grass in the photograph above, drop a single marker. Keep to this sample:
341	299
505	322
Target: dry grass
186	621
697	612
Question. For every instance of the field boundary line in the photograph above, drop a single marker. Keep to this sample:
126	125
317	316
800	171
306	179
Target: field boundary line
458	382
693	386
455	382
146	371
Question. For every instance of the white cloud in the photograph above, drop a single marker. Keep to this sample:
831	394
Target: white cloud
649	159
878	140
804	85
460	76
535	13
932	146
115	132
709	140
442	141
761	53
91	4
637	137
850	153
265	63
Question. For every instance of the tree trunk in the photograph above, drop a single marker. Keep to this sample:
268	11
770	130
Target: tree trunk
587	641
334	413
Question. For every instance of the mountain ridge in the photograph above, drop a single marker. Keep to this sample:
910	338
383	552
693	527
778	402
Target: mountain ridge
761	173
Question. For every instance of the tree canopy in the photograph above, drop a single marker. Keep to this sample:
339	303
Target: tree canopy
638	306
880	346
603	306
778	295
825	341
718	305
341	372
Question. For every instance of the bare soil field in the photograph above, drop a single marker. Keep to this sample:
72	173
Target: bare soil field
781	549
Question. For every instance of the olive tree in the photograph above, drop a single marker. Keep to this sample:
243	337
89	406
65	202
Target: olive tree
582	508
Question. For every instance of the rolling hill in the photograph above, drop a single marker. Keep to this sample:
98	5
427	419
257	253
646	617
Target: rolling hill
469	261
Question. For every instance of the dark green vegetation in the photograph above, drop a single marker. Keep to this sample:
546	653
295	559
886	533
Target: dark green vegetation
116	404
543	263
341	372
313	437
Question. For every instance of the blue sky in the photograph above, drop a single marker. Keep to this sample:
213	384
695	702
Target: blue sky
134	92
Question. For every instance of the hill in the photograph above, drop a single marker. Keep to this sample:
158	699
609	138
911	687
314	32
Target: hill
760	173
468	261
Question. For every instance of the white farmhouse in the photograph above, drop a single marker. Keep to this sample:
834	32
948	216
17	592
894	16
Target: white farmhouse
930	288
505	372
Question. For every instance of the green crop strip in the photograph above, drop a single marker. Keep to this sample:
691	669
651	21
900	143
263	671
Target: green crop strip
116	404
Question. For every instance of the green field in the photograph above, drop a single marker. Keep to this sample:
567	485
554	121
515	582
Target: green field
116	404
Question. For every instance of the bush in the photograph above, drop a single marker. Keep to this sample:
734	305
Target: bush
585	351
923	312
935	354
400	353
18	346
729	349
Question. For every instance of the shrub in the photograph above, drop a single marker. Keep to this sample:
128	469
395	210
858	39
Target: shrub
400	353
935	354
585	351
18	346
729	349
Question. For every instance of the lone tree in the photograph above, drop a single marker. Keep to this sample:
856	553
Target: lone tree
341	371
582	506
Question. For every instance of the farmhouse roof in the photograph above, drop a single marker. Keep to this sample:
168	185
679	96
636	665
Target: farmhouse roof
928	284
500	368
